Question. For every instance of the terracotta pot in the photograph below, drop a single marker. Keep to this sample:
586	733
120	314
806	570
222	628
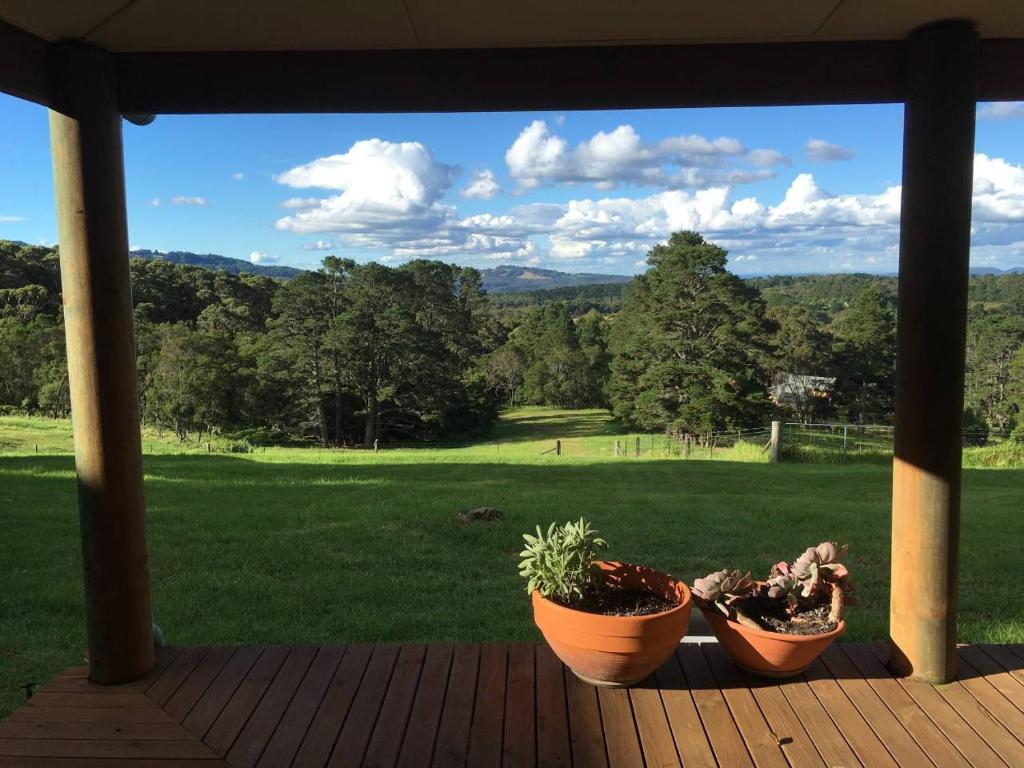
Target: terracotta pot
616	651
769	654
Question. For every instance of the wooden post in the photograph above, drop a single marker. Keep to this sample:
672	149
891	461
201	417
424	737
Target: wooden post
618	448
689	444
638	446
775	446
88	175
845	430
558	447
935	222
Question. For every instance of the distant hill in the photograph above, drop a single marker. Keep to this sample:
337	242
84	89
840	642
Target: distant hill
508	278
994	271
502	279
213	261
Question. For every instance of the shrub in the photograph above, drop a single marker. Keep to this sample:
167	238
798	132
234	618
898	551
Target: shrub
559	563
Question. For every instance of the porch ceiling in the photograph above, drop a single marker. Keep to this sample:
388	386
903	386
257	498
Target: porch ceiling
267	25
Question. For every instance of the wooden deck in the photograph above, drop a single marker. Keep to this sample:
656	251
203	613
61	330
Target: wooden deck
482	705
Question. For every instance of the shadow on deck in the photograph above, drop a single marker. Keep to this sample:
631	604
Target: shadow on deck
494	704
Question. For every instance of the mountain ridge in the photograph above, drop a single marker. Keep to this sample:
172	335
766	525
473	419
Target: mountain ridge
504	278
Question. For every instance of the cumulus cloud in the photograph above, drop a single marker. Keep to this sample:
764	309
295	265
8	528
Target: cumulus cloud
388	199
388	192
259	257
1001	109
482	185
823	151
11	219
998	190
189	200
621	156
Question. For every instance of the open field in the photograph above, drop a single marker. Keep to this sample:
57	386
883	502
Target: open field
300	545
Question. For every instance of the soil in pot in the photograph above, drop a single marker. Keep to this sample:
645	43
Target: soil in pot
616	601
772	617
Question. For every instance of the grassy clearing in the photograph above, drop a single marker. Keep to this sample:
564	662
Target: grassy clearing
300	545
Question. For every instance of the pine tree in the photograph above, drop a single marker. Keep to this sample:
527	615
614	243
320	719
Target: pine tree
688	344
865	357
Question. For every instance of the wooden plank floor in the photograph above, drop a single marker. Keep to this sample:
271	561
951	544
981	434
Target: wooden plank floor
516	705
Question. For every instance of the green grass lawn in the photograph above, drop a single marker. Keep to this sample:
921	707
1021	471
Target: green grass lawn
300	545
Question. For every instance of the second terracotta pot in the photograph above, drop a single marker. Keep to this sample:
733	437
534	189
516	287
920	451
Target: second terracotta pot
769	654
616	651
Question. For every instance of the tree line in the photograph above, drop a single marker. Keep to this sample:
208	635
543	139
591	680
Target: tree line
351	354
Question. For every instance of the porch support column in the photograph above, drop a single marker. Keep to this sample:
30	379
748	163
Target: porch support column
88	172
935	223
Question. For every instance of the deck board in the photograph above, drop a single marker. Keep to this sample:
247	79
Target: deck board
554	749
516	705
519	746
295	722
425	717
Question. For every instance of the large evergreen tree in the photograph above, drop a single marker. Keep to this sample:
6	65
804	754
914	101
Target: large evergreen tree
687	347
865	357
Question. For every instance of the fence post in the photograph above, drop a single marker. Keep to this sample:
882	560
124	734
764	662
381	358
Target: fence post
558	447
638	446
687	440
845	430
618	448
776	441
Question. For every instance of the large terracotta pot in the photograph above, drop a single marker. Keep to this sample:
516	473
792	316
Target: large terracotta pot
769	654
616	651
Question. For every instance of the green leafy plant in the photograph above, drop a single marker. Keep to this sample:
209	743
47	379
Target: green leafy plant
817	577
559	563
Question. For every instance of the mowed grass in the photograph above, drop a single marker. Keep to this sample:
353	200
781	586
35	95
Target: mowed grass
300	545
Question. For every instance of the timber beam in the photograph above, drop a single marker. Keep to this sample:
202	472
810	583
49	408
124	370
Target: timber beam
582	77
935	235
88	174
24	65
505	79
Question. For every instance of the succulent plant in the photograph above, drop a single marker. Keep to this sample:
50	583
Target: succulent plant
782	583
821	565
817	577
724	587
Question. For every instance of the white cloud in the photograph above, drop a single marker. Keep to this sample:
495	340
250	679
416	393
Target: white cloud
769	157
238	176
155	202
11	219
998	190
482	185
490	247
822	151
318	245
259	257
389	193
300	203
388	201
1001	109
189	200
608	159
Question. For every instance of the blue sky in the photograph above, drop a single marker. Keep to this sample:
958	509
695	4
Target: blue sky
799	189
